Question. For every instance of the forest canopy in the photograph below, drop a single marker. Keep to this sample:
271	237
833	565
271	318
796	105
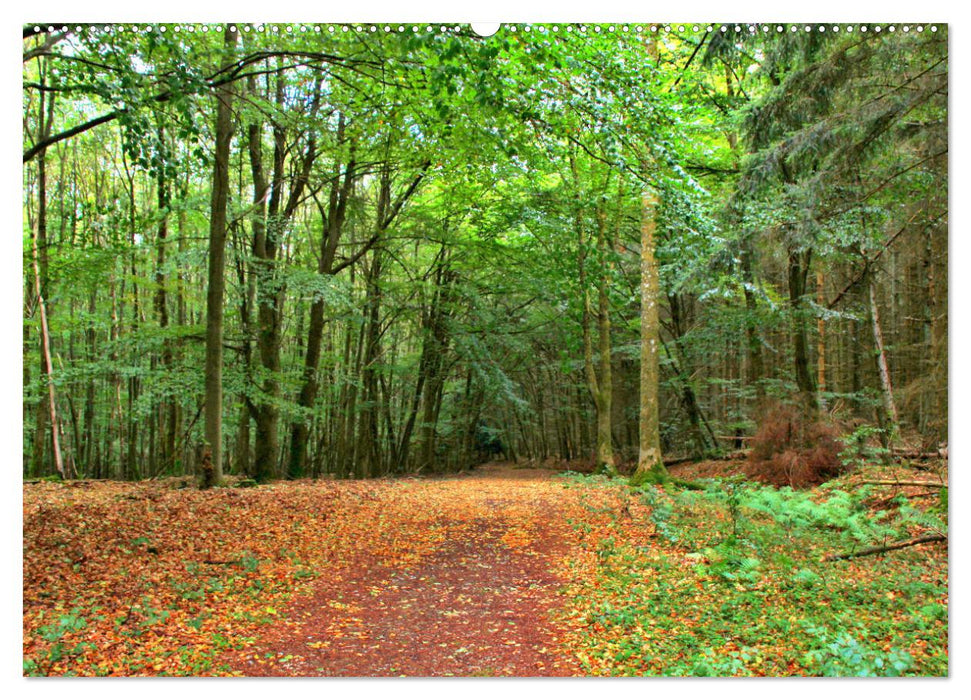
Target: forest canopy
423	247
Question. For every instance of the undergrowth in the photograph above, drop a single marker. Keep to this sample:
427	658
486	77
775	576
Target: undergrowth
790	450
732	583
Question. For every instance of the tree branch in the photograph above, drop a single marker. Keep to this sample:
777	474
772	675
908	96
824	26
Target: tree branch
886	548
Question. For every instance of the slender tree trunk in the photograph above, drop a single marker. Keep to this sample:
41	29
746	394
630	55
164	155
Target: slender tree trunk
600	388
368	446
212	461
333	223
48	365
937	312
132	470
756	364
247	282
267	246
115	461
821	337
883	369
87	451
436	343
404	445
683	372
605	447
798	269
167	452
265	233
44	409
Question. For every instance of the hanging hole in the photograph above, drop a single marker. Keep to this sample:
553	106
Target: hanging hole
485	29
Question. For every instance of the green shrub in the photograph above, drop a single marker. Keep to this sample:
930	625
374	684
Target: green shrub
844	655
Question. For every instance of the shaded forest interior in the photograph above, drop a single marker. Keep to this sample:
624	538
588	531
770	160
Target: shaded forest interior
424	248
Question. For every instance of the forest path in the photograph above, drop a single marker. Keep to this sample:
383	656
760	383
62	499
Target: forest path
477	603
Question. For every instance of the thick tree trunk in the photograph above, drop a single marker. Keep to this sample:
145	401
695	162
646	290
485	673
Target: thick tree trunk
212	468
649	460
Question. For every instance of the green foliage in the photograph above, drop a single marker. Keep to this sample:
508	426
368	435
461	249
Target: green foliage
54	634
844	655
859	449
515	168
662	509
941	505
734	585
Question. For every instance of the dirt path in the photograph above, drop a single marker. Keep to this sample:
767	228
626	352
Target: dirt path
478	605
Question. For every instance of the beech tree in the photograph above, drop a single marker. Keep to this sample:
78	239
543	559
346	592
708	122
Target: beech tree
212	465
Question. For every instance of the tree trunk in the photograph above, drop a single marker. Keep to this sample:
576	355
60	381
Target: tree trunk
367	442
45	408
756	365
649	460
683	372
267	238
131	469
87	452
436	343
600	387
821	337
212	468
168	408
48	366
880	356
798	269
605	448
333	223
937	312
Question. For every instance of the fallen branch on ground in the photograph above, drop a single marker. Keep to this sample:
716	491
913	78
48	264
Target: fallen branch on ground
727	457
884	502
916	454
223	562
886	548
891	482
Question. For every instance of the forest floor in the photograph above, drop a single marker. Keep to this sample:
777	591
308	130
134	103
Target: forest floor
502	571
478	604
